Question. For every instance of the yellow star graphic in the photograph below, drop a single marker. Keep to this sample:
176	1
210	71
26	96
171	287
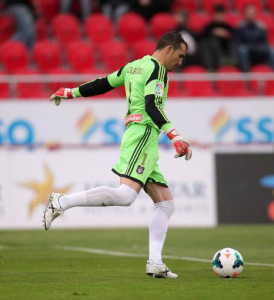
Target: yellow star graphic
43	189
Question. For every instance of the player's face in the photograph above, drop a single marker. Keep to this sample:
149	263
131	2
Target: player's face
175	57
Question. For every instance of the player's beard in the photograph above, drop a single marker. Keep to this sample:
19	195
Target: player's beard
171	69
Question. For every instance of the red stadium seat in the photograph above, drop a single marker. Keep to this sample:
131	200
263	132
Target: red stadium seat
198	88
13	55
231	87
80	56
198	21
260	86
240	4
29	90
233	19
7	27
270	5
142	48
187	5
98	28
65	28
54	86
47	8
4	90
41	29
132	27
116	58
209	5
47	55
162	23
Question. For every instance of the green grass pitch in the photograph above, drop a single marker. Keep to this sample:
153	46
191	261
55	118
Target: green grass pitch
31	267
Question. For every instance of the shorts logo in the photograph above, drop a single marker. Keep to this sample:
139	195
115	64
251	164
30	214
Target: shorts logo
159	90
140	169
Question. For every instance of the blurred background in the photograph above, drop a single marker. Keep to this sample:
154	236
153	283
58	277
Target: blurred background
221	100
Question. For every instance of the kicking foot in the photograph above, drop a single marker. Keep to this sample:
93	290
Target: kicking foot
53	210
159	270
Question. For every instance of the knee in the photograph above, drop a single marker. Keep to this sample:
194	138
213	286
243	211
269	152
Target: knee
127	201
127	195
167	206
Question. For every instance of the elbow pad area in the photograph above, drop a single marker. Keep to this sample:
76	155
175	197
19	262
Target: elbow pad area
96	87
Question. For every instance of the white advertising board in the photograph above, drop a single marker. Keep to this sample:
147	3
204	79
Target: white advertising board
28	176
79	122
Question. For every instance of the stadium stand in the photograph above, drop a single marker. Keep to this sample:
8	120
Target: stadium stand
66	45
7	27
47	8
270	5
47	55
65	28
5	90
161	23
174	89
232	87
268	21
98	28
29	90
260	86
197	22
13	56
142	48
233	19
240	4
208	5
115	58
132	28
187	5
54	86
198	88
80	56
41	29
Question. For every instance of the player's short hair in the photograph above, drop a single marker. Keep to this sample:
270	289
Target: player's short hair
172	38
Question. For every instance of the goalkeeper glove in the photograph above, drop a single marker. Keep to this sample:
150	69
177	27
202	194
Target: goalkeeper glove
181	147
62	93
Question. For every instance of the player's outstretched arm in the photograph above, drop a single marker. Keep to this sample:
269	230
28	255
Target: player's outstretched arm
89	89
92	88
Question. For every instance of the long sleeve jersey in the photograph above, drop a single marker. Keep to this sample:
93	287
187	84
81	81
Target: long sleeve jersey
146	85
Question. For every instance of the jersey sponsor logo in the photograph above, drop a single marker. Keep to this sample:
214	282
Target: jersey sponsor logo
159	90
140	169
133	118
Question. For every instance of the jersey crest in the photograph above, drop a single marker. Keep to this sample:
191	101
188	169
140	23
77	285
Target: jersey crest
159	90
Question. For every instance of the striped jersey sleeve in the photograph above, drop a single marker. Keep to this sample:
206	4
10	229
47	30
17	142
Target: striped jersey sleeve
155	86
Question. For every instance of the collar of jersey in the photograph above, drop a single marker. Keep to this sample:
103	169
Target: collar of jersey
150	56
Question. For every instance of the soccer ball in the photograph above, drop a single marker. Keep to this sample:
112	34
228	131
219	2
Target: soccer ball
227	263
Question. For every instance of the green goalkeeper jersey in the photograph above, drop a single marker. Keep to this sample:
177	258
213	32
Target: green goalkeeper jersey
146	86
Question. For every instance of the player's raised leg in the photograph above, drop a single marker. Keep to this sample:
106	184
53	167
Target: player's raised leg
164	207
124	195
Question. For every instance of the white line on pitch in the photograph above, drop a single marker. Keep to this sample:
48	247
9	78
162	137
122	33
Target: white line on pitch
126	254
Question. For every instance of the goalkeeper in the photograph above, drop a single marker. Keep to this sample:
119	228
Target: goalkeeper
146	85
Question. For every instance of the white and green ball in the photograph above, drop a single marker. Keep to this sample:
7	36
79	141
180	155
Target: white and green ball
227	263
